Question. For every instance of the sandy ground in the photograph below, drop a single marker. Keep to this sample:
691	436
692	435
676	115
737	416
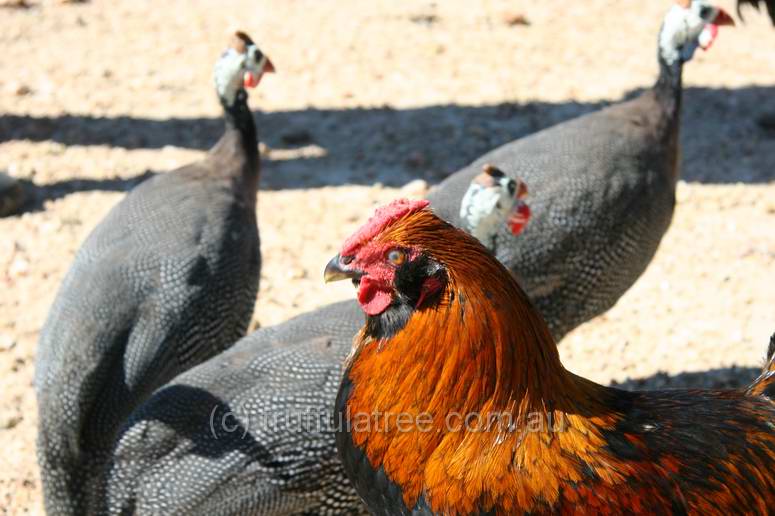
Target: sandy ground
368	97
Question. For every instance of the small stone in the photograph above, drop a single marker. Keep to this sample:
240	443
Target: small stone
15	4
7	342
513	19
297	273
424	19
417	188
19	267
22	90
9	421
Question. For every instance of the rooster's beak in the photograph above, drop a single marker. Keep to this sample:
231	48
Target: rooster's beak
335	272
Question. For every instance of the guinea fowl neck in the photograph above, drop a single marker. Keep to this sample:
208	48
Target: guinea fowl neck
669	87
241	126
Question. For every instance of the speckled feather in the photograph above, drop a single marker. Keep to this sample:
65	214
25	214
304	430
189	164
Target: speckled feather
169	461
602	192
167	280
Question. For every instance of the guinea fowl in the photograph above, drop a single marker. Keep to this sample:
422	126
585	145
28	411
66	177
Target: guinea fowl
248	432
454	399
602	187
167	280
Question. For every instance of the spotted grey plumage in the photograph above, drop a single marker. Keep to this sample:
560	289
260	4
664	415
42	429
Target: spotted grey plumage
602	195
165	281
248	432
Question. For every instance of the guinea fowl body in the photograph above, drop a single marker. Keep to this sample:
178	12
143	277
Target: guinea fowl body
167	280
454	401
602	193
248	432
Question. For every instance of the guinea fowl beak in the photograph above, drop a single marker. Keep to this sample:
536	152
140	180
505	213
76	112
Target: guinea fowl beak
268	67
336	272
723	18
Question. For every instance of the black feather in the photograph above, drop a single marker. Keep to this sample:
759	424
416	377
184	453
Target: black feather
408	284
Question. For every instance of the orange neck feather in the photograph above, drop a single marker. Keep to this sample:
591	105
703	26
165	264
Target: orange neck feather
482	352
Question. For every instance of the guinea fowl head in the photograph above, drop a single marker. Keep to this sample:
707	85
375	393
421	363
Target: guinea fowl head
492	200
687	25
240	66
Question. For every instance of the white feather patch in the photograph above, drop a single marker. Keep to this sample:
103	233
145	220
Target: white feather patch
484	210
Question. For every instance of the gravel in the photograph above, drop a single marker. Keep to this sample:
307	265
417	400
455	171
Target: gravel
371	101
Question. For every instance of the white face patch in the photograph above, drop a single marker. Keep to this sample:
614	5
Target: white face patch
681	30
228	75
484	209
230	69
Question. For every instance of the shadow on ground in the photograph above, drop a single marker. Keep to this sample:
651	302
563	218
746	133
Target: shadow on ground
721	378
36	195
725	139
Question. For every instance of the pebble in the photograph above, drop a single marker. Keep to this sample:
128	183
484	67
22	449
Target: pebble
415	189
7	342
513	19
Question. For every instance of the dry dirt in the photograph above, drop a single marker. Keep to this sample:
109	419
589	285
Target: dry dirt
368	97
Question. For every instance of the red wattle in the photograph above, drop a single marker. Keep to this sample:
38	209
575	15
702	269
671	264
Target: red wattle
373	299
519	218
709	34
250	79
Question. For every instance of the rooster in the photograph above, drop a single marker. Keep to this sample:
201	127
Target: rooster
454	399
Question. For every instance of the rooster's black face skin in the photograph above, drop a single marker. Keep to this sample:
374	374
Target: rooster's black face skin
407	293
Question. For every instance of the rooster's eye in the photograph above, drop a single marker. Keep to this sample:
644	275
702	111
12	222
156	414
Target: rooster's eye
396	257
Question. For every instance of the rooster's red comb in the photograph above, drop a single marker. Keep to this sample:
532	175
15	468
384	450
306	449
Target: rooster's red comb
383	217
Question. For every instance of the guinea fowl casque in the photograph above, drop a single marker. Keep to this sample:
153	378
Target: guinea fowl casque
167	280
454	400
602	187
